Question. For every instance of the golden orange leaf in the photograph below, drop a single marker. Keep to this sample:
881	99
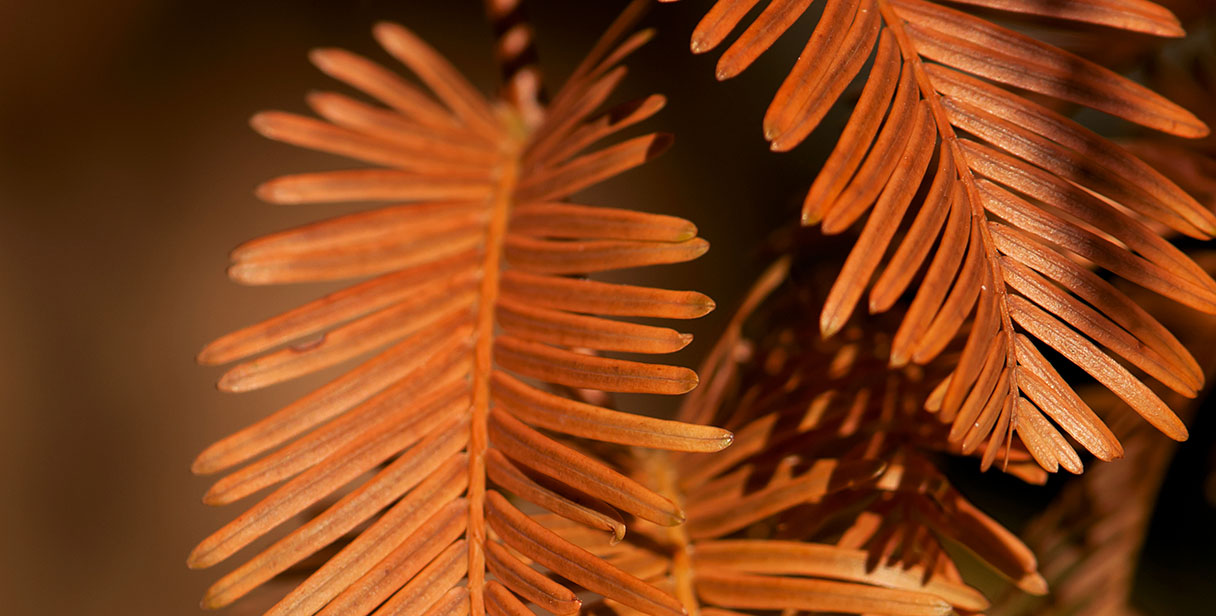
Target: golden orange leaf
478	330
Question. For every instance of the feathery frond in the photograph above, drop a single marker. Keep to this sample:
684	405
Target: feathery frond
1089	538
476	317
1020	201
827	501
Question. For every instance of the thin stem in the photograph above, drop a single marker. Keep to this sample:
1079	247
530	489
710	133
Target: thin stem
483	365
663	472
979	219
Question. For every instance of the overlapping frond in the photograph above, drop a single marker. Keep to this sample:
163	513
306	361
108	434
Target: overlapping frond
991	209
827	501
1089	538
479	319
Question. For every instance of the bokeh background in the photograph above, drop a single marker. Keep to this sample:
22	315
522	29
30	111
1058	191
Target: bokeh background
126	174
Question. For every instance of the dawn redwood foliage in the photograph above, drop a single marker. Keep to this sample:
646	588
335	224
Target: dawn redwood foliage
475	461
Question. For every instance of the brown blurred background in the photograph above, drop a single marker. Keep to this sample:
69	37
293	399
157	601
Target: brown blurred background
126	169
